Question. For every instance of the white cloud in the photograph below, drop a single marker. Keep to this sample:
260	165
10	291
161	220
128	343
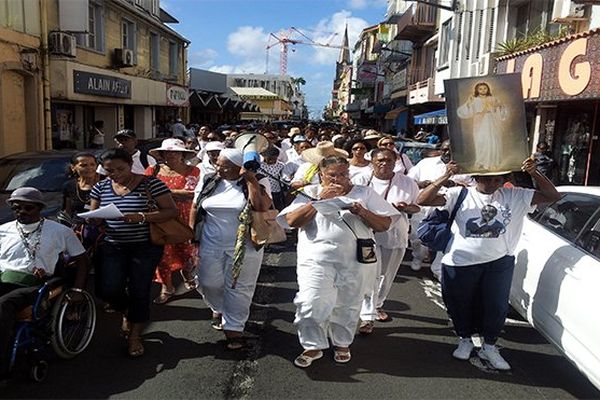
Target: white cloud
203	58
247	41
336	24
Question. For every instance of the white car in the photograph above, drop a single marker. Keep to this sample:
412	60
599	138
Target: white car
556	283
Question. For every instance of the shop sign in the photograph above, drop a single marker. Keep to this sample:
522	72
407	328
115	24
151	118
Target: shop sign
560	72
177	96
367	72
101	85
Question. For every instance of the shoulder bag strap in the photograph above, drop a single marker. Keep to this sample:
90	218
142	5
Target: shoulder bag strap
461	197
152	206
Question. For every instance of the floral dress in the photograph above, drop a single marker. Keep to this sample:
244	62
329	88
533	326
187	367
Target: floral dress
178	256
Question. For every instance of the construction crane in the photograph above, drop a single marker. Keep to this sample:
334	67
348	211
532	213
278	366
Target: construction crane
285	38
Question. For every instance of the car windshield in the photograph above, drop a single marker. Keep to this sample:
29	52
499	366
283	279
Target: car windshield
46	175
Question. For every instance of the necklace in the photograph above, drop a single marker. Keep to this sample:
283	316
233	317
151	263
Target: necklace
86	196
31	240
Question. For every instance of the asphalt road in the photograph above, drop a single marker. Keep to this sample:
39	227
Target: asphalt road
408	357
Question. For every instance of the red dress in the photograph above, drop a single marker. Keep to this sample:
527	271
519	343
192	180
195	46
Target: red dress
178	256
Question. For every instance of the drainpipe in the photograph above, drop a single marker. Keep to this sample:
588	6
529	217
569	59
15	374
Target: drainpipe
45	75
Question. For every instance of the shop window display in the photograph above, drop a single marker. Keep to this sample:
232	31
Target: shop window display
574	148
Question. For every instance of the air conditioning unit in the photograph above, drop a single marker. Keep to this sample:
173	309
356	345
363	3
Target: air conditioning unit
63	44
124	57
567	10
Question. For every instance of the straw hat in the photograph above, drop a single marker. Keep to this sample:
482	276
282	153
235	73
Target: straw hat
172	145
372	134
322	150
294	131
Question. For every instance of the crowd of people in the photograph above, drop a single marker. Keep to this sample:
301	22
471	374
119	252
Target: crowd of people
352	195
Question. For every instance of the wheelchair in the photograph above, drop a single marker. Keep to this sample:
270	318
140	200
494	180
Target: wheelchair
54	320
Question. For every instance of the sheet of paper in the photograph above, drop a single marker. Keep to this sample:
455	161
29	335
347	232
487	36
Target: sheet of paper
107	212
332	206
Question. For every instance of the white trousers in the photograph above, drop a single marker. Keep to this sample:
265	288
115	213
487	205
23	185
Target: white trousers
419	252
436	265
214	280
389	265
328	302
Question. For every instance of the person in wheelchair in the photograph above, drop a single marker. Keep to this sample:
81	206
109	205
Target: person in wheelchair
30	247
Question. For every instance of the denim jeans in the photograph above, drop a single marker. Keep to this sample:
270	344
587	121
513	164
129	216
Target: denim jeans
126	277
476	297
12	299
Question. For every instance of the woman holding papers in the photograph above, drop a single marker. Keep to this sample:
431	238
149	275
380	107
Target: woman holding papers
129	258
336	258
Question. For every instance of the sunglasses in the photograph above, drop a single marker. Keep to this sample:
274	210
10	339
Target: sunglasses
359	148
388	144
24	207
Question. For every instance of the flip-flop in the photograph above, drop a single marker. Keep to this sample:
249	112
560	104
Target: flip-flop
188	283
341	356
304	360
382	316
366	327
217	323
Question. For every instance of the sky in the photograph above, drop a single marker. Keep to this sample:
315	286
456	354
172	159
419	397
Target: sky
231	36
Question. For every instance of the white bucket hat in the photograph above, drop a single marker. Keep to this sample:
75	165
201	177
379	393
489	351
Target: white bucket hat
172	145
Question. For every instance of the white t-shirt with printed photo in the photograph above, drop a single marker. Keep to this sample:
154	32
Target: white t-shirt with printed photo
483	237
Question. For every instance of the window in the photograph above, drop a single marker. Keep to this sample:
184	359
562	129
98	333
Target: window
154	51
94	39
128	37
468	33
444	44
459	35
490	30
173	59
589	240
570	215
477	38
21	15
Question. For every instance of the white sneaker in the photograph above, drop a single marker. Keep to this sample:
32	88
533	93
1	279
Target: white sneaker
415	264
464	349
491	354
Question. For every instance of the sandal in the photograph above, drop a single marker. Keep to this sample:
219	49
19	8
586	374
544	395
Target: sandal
382	316
366	327
341	356
135	348
236	343
188	282
163	297
217	322
304	360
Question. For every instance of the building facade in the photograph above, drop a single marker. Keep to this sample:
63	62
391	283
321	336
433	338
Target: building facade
115	61
21	77
286	87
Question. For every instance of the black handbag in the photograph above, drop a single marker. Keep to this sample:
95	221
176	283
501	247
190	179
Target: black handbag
434	231
365	248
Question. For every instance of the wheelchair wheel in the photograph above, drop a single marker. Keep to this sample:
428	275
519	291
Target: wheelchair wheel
73	324
38	372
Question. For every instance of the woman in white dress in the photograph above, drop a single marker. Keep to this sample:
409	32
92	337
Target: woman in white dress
488	114
332	282
357	149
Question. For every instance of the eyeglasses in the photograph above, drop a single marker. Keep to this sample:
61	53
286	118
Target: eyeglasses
359	148
24	207
343	175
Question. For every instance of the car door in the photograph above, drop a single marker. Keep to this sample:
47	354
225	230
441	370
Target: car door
555	277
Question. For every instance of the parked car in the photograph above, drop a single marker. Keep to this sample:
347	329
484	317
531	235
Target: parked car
555	283
46	171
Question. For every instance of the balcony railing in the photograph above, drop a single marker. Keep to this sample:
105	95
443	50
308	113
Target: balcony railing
423	92
417	23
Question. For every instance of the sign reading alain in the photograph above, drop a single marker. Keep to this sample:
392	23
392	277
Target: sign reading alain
101	85
486	123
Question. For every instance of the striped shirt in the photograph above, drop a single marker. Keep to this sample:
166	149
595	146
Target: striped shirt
133	202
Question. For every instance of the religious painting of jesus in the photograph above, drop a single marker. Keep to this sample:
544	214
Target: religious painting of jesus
486	123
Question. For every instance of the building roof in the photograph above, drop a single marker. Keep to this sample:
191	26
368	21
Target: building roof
254	93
